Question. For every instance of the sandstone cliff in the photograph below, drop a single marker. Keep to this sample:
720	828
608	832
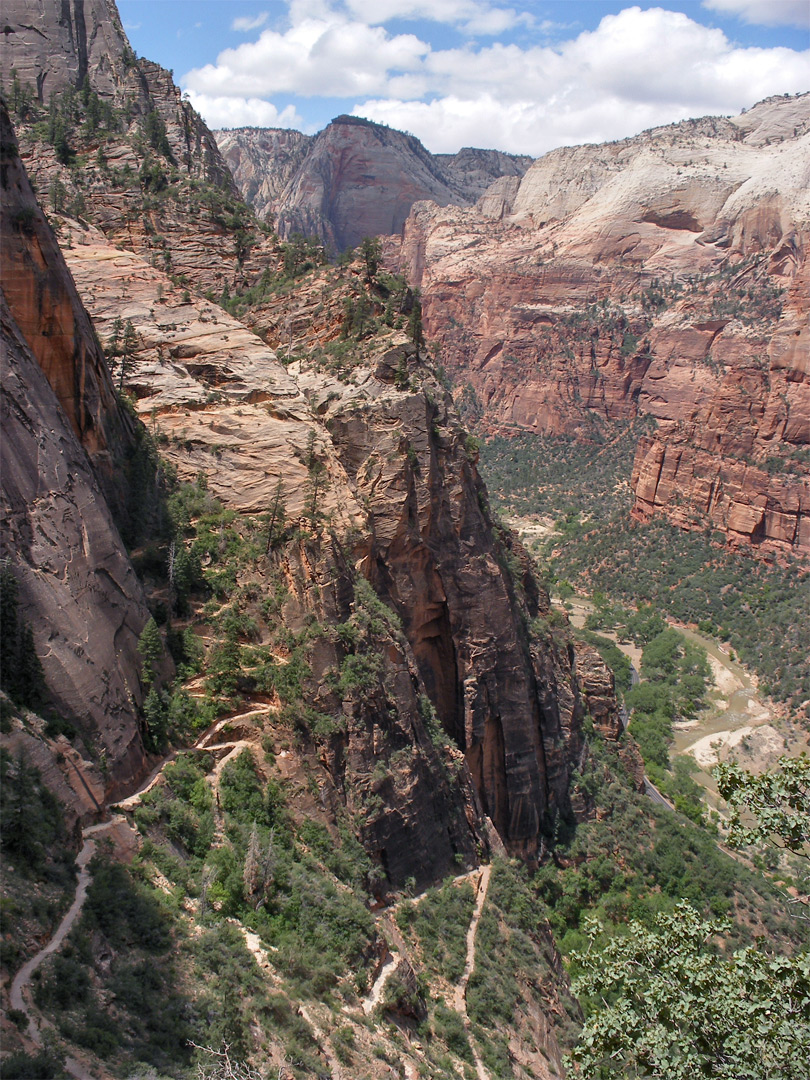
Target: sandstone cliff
354	179
399	480
664	275
263	161
64	438
152	176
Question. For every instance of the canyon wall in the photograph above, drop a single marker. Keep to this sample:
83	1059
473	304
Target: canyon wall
476	642
65	441
661	276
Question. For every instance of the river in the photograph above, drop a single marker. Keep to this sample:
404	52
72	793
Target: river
739	721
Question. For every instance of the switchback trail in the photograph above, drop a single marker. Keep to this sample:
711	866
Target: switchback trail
20	997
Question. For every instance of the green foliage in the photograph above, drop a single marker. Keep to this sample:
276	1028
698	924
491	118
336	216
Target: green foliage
32	830
243	796
155	131
449	1027
778	801
415	332
301	254
678	674
21	674
761	609
125	912
370	252
317	482
150	648
678	1010
637	859
439	922
39	1066
358	318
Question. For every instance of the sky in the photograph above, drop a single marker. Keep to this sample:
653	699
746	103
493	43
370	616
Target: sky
522	76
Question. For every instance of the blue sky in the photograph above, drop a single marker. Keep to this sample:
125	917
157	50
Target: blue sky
523	77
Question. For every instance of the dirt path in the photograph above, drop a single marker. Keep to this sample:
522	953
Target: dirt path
235	748
374	996
20	988
460	994
20	996
336	1070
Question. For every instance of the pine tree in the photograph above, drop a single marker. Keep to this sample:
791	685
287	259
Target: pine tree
150	646
276	518
317	482
155	716
370	251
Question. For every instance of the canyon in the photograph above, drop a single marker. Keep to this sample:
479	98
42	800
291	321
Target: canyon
280	630
663	276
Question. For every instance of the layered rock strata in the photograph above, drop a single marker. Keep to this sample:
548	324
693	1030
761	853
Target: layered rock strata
401	484
664	275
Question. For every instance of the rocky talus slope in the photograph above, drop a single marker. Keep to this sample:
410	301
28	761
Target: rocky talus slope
663	275
354	179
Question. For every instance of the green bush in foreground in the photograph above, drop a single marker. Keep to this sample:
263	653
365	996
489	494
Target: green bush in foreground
679	1010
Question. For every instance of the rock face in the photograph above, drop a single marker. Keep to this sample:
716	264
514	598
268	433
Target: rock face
510	704
63	435
54	45
263	161
664	275
354	179
152	177
400	490
402	483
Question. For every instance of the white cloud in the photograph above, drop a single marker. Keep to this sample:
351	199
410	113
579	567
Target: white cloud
231	112
314	57
765	12
245	23
472	16
637	69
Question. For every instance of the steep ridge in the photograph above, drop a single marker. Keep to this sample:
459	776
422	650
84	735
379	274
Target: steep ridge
354	179
151	176
664	275
64	439
399	479
223	408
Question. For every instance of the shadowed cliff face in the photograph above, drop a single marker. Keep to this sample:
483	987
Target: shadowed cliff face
506	690
664	275
44	304
63	435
